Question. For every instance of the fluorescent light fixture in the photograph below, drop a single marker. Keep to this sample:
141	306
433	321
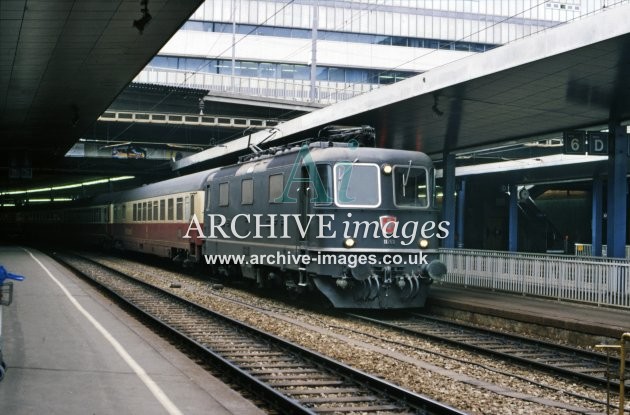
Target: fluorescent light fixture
68	186
116	179
38	200
44	189
532	163
93	182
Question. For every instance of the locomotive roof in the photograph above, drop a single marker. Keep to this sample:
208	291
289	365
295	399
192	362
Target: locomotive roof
320	151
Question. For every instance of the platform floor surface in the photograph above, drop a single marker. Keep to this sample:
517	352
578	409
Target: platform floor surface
599	321
97	361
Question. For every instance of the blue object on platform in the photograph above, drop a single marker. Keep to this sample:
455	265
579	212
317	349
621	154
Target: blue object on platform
4	275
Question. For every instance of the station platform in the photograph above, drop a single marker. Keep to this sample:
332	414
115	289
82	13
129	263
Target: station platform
69	350
575	323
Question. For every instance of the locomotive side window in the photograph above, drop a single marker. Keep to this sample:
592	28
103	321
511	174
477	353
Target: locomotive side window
276	187
145	211
322	196
179	208
155	210
357	185
124	213
170	209
410	186
162	209
247	192
150	210
224	194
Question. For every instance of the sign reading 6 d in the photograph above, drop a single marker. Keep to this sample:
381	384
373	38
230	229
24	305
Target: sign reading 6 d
574	142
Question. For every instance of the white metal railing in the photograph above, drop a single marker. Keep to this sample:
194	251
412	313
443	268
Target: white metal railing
601	281
586	250
286	89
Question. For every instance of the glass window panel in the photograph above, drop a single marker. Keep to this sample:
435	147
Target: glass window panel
247	192
462	46
247	68
287	71
193	25
223	27
322	74
276	187
386	78
282	31
267	70
224	194
410	186
264	31
357	185
399	41
383	40
179	209
336	74
356	75
170	209
301	33
302	72
224	67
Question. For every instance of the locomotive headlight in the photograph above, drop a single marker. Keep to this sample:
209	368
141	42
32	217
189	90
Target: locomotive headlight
387	169
349	243
423	243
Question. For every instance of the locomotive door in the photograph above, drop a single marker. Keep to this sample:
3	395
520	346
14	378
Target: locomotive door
304	208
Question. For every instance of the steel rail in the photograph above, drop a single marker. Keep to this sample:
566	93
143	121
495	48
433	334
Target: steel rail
510	347
361	386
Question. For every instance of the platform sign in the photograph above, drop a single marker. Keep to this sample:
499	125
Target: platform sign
597	143
574	142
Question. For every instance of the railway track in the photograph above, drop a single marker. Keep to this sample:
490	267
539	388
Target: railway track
565	361
287	377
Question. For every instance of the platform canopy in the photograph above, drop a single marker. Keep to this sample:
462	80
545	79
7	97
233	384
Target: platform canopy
572	76
63	62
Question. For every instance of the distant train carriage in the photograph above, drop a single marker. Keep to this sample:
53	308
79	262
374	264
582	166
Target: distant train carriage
154	218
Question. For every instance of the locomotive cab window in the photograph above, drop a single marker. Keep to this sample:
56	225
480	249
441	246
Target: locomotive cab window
357	184
410	186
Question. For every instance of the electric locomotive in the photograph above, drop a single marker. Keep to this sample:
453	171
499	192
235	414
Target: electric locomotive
357	223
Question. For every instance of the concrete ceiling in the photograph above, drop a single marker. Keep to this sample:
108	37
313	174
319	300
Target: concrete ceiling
63	62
